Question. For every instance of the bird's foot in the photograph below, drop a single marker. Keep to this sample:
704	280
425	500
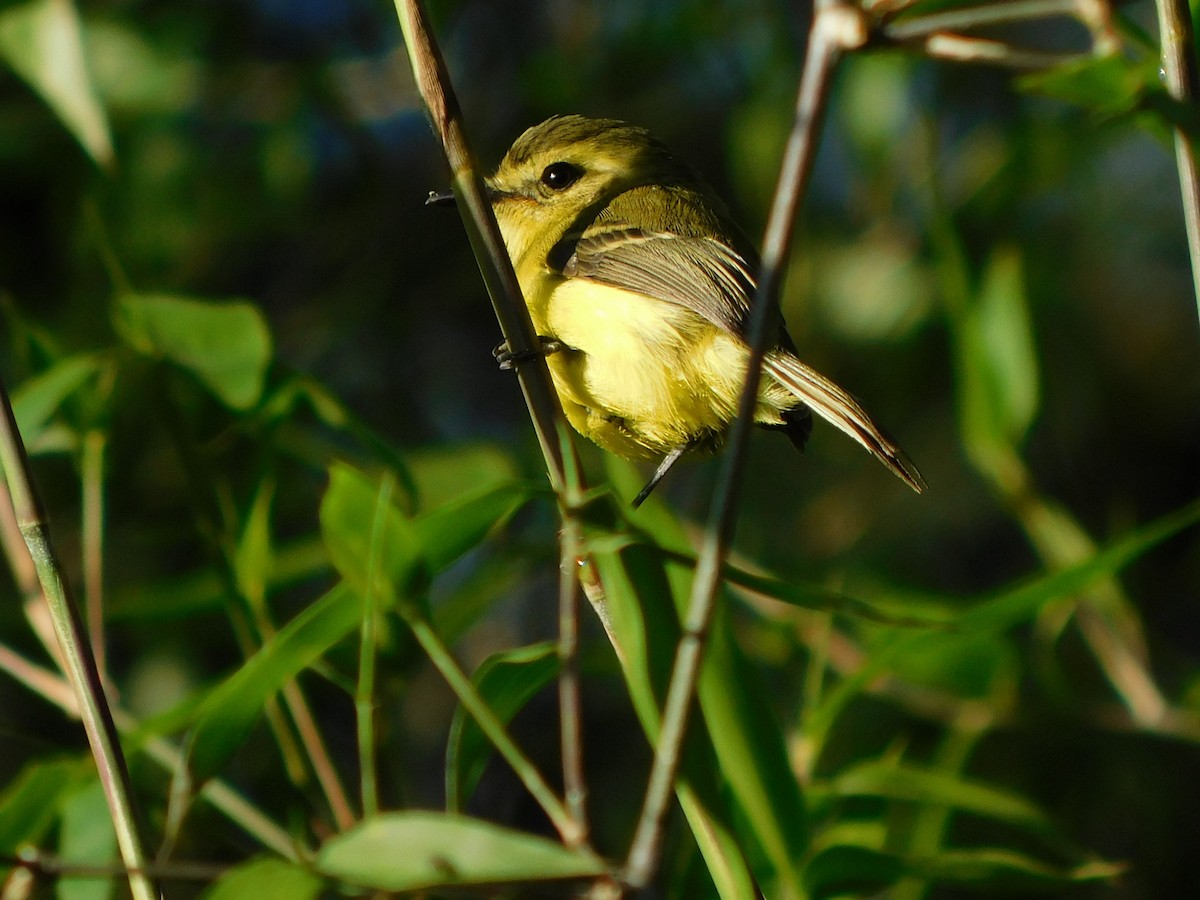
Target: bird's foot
510	360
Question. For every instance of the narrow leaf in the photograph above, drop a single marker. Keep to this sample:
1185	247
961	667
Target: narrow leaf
998	370
253	556
230	711
507	681
412	851
1023	602
917	784
461	524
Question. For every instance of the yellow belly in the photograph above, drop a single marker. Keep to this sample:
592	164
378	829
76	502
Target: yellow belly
640	376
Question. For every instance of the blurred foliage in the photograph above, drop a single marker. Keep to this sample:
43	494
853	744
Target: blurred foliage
218	279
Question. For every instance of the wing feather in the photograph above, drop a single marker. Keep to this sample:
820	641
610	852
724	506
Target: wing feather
842	411
698	273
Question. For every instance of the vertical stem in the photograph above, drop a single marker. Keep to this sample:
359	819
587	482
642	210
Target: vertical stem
569	705
491	726
92	477
836	27
364	694
545	409
433	83
80	664
1179	66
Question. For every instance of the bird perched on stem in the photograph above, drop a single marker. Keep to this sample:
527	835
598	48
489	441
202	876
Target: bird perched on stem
639	285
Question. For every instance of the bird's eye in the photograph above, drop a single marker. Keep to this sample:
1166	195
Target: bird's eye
560	175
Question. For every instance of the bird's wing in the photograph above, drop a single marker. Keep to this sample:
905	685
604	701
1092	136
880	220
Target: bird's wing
713	280
698	273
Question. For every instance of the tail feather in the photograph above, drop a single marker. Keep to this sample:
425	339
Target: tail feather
840	409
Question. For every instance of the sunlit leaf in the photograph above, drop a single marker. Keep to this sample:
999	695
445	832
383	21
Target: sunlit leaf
411	851
225	345
645	602
349	511
266	879
644	638
506	681
441	473
42	41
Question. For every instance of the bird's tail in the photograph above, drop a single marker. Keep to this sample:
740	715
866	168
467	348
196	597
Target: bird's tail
832	403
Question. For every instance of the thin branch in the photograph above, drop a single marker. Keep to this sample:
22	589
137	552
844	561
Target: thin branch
318	754
836	27
364	692
491	726
433	83
957	48
80	664
92	539
545	409
57	690
936	34
569	704
1179	66
971	17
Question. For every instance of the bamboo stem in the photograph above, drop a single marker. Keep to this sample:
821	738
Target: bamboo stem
79	662
836	27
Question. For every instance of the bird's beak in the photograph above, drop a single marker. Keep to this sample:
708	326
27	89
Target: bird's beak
446	198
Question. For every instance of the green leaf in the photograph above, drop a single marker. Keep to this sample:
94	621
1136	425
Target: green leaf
225	345
266	879
229	712
974	664
507	681
253	557
998	364
644	637
441	472
349	511
461	524
43	43
1023	602
30	802
86	837
918	784
39	398
1009	872
1104	84
848	869
845	869
412	851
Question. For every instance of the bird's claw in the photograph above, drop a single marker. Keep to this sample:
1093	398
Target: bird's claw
508	359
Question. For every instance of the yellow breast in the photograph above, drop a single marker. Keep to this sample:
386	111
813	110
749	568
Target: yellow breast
641	376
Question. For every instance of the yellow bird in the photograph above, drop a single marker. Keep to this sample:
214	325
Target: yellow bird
638	284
